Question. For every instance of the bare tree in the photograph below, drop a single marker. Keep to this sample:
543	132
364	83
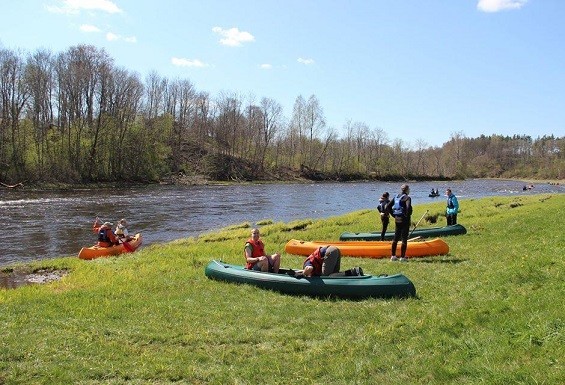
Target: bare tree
14	94
39	77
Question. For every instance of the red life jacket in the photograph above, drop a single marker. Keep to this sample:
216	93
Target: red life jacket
257	250
106	237
317	259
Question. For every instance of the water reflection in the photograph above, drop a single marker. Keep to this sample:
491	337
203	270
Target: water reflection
47	224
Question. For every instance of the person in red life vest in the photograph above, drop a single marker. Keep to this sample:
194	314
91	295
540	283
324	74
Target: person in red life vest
326	261
255	255
106	237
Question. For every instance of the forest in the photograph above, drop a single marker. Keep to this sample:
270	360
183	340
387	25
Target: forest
75	117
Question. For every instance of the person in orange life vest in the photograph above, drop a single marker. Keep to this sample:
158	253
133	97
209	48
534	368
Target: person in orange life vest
255	255
326	261
401	209
106	237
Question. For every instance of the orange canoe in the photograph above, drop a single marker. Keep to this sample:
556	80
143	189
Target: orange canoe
370	249
98	252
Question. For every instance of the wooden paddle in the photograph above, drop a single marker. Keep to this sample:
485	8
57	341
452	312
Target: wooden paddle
416	225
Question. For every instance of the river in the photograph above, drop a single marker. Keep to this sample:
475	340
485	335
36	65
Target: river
48	224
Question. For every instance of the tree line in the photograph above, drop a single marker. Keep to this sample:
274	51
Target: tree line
76	117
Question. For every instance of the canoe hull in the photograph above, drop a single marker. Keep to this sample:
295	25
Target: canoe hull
369	249
93	252
365	286
432	232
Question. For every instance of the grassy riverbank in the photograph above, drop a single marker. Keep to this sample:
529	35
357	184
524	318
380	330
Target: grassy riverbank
489	312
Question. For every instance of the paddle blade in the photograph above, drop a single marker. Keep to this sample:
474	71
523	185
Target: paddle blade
129	248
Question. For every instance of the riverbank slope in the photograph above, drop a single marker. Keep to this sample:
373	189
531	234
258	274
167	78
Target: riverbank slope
490	311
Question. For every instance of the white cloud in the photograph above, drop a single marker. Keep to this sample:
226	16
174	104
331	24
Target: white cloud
305	61
266	66
233	36
500	5
89	28
75	6
110	36
181	62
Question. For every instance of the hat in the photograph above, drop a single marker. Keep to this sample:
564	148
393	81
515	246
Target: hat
109	224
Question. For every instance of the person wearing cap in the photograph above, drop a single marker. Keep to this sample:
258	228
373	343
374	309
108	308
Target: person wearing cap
383	202
255	256
106	237
401	210
452	208
121	231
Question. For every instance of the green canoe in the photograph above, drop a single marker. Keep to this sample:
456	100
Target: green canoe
384	286
431	232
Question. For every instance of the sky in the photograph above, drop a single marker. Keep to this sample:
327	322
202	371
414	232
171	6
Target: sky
421	71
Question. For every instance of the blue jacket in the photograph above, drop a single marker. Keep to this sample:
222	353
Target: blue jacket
452	205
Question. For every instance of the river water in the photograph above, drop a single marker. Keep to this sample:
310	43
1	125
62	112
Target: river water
49	224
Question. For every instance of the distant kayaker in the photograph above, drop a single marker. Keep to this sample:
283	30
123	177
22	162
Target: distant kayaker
401	210
452	208
383	202
326	261
255	256
106	237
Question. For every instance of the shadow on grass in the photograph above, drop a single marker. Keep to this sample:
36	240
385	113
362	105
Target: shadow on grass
453	261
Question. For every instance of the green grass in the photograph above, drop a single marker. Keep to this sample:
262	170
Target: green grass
489	312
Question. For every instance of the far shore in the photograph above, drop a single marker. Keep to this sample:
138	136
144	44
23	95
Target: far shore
209	182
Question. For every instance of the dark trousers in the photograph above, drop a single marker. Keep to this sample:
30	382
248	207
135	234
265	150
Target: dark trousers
401	233
451	219
384	220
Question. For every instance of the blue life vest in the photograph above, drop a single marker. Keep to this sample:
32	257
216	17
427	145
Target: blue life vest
399	209
382	206
103	236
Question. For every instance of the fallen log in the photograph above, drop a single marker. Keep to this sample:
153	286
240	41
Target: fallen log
12	185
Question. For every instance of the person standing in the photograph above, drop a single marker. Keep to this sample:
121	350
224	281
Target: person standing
401	210
452	208
255	256
383	202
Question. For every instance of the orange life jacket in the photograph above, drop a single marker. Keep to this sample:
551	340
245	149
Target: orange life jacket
257	250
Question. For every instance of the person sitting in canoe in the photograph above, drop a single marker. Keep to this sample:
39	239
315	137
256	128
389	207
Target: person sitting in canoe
326	261
255	256
122	232
106	237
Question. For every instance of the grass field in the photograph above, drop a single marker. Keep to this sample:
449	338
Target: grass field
489	312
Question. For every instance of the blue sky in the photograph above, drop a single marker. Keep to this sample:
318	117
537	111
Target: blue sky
418	70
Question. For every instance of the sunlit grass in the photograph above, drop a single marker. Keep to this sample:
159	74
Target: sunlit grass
491	311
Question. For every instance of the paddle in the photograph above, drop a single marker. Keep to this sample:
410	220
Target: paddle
415	238
416	225
129	248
